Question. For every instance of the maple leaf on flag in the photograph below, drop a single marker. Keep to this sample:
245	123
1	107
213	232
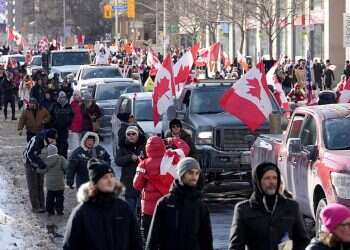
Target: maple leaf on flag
163	87
254	88
183	74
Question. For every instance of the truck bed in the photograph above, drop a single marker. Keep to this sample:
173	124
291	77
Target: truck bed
266	149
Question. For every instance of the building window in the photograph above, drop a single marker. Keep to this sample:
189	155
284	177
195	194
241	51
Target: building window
251	41
316	4
299	49
282	42
317	42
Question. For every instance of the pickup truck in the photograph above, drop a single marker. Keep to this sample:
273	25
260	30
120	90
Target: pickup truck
313	155
220	138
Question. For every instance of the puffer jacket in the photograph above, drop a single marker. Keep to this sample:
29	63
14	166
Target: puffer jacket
61	117
150	167
102	222
77	122
316	244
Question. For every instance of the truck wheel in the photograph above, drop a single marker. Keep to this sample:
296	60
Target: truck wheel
318	224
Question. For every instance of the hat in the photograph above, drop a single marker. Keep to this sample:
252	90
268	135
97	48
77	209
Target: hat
62	94
333	215
52	150
187	164
97	170
51	133
175	122
132	129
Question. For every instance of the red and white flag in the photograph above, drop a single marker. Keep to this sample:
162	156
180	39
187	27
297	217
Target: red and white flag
345	93
10	35
252	93
225	59
202	57
164	89
272	79
242	61
213	64
182	68
153	62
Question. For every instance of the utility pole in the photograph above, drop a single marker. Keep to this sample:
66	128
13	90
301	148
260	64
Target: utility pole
164	29
157	24
116	21
64	24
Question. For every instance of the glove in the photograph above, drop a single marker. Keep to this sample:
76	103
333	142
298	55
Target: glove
20	132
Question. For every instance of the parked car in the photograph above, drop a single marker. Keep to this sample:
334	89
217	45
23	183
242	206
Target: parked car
107	94
139	105
313	155
219	137
35	65
88	74
4	60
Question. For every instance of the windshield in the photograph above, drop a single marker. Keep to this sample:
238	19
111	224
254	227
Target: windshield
36	61
143	110
113	91
337	134
71	58
101	73
19	58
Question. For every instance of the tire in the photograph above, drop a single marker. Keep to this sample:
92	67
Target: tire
318	223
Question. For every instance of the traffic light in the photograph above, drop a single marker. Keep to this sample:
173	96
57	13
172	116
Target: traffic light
107	11
131	8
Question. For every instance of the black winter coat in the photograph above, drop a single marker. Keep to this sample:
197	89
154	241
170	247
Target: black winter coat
181	222
128	165
61	117
78	162
38	93
33	150
102	223
8	89
317	245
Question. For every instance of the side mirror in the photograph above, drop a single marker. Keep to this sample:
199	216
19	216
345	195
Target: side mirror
294	146
312	152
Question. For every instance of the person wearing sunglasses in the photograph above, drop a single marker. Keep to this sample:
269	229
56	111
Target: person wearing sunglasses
335	232
128	157
177	131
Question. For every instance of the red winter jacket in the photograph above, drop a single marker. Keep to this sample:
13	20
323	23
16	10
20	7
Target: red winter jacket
77	123
148	171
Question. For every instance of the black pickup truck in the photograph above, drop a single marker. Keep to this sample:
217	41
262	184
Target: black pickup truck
219	137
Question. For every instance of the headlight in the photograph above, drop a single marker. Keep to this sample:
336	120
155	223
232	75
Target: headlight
341	183
205	137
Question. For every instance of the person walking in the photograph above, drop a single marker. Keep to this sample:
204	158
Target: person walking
2	77
267	219
62	117
76	127
128	157
102	220
33	118
181	219
335	234
91	114
24	90
347	69
38	90
149	179
33	161
78	161
318	70
176	130
56	166
328	75
9	94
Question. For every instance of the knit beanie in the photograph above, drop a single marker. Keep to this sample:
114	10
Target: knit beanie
187	164
333	215
97	170
132	129
51	133
51	150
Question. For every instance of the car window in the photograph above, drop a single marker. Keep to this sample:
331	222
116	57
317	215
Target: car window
295	128
92	73
125	106
309	132
114	91
337	133
143	110
70	58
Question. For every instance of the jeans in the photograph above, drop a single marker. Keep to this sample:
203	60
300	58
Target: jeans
54	201
10	101
35	184
146	223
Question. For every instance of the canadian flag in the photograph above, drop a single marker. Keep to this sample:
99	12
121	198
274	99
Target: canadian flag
213	58
272	79
164	90
10	35
17	37
225	59
252	93
202	57
182	68
153	62
242	61
345	93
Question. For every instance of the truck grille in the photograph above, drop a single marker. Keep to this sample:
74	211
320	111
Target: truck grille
227	139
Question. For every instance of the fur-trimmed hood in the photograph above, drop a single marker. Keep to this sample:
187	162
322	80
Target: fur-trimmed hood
86	135
84	196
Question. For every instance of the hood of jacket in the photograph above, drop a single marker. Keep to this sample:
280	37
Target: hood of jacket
83	194
155	147
258	194
86	135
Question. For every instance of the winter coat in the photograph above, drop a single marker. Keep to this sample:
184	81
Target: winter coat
181	222
128	165
91	114
329	76
102	222
259	229
317	68
150	167
34	121
56	166
316	244
8	89
184	135
78	161
77	123
38	93
61	117
68	90
24	92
